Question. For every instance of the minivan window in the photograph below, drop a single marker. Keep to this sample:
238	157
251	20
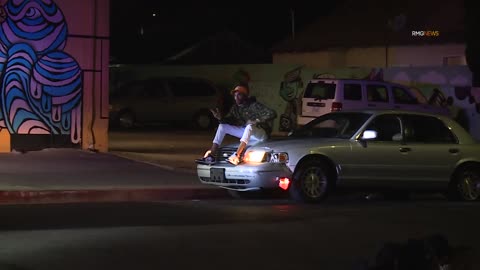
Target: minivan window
190	88
320	90
352	91
402	96
377	93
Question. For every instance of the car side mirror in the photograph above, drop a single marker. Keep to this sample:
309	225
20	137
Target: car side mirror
367	135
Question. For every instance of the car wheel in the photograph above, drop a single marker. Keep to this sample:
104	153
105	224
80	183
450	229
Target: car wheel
465	184
311	182
126	120
203	120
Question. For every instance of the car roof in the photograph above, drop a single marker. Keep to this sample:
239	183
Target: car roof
391	111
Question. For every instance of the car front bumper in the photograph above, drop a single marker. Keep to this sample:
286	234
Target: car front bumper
243	177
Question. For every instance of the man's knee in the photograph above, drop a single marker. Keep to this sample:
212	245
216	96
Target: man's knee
221	126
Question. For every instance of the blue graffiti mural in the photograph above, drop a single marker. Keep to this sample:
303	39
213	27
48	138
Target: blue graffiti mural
41	85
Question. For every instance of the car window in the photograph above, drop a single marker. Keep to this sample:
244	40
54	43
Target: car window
402	96
388	128
377	93
154	89
427	129
320	90
191	88
333	125
352	91
129	89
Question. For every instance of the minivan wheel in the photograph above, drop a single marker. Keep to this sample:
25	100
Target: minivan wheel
311	182
465	184
126	120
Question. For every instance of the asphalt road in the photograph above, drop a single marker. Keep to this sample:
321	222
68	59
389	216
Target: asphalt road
230	234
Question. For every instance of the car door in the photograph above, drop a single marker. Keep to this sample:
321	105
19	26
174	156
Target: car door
152	102
402	99
432	149
377	161
353	97
378	96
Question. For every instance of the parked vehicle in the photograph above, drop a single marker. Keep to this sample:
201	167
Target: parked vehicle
322	96
165	100
366	149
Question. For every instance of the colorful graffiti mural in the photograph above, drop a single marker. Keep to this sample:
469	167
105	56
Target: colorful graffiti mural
41	85
290	89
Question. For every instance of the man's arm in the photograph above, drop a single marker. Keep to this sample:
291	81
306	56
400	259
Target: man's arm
264	113
232	117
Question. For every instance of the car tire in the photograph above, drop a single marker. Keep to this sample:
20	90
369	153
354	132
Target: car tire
126	119
203	120
312	182
465	184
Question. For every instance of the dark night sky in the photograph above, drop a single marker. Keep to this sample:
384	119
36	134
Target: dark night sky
176	28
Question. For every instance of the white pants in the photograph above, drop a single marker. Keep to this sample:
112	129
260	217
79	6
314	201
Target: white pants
246	134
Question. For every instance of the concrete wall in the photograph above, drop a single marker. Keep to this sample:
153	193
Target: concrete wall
54	70
281	86
398	56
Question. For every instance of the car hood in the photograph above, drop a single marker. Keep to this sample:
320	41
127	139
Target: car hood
296	143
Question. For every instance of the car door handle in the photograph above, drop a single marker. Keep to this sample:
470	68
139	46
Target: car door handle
405	149
453	150
372	105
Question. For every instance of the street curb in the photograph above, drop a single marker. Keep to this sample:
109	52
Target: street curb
112	195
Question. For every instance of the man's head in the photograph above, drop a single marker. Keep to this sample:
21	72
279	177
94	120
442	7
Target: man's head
240	94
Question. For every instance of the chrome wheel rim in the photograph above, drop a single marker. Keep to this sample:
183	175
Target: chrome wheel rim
314	183
469	186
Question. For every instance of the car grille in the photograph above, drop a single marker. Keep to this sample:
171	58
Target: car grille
227	181
224	153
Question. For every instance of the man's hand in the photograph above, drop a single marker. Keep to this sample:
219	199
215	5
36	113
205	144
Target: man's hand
216	113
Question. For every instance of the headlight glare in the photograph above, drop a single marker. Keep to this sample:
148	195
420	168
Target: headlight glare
255	156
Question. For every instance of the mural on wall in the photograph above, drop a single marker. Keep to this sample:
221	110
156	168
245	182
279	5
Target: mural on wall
290	88
447	89
41	85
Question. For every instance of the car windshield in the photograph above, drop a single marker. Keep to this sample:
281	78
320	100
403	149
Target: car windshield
333	125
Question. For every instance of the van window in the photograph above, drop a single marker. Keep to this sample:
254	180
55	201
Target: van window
191	88
352	91
401	96
320	90
377	93
141	88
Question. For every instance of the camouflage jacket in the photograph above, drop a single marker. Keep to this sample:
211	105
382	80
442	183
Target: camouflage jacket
252	110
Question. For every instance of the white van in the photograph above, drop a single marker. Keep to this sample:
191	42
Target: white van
322	96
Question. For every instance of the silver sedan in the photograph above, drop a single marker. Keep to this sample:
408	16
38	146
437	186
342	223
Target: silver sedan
388	150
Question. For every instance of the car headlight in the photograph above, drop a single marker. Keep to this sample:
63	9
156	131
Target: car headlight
264	156
255	156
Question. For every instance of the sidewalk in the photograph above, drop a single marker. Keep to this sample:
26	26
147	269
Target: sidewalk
142	166
75	176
